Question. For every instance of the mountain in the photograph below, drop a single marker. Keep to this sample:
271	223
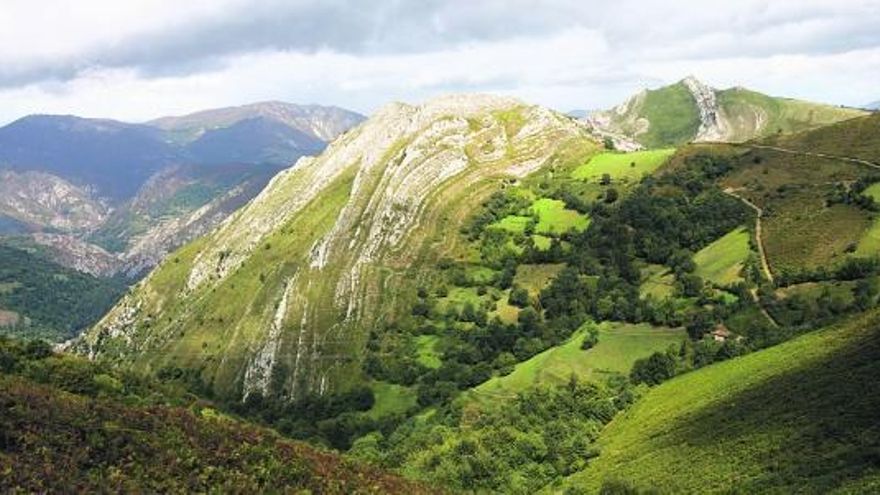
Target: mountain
110	198
318	122
692	111
111	158
474	293
875	105
281	299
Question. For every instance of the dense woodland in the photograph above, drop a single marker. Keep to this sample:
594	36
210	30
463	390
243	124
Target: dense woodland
53	302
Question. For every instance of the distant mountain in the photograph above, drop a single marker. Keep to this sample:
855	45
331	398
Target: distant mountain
112	159
578	114
692	111
875	105
319	122
113	198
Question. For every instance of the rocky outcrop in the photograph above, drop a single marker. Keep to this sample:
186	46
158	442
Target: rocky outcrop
713	125
47	201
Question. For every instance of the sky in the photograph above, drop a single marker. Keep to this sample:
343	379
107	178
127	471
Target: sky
140	59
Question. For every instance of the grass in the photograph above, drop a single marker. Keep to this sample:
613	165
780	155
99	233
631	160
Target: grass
515	224
799	229
658	282
620	344
542	242
873	191
623	167
554	218
673	117
799	417
869	243
428	355
722	261
391	399
535	277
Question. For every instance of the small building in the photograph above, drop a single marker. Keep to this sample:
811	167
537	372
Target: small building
720	333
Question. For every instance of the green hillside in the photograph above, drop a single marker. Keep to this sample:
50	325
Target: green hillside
70	425
39	298
677	114
798	417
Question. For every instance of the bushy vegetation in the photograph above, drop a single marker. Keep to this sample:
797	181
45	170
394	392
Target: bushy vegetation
518	447
71	425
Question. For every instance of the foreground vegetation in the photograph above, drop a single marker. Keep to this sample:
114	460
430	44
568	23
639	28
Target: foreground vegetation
69	425
798	417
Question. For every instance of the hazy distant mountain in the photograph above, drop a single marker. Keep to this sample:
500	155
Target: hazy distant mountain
319	122
111	158
71	176
874	105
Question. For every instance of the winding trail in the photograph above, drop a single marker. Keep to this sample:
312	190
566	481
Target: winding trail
817	154
765	266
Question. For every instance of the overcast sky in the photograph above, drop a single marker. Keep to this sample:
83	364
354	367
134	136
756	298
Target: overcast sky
139	59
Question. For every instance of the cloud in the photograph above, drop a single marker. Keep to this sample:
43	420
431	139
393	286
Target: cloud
136	58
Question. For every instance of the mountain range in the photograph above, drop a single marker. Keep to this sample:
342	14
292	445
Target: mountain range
135	191
111	199
477	294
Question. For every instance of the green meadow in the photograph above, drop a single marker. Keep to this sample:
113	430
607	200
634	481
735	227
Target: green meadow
721	262
620	345
623	167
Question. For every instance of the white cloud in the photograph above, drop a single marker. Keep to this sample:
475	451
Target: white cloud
143	58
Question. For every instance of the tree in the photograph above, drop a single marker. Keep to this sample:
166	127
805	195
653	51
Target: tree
608	143
653	370
519	297
611	195
605	180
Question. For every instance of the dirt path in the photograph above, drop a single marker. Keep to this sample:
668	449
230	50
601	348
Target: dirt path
765	266
818	155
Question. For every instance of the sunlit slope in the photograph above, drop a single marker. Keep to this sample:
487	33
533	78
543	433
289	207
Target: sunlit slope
280	299
798	417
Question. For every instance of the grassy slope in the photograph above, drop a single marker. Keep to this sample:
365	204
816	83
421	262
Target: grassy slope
721	261
620	344
55	441
626	167
391	399
742	108
672	114
554	218
856	138
798	417
799	229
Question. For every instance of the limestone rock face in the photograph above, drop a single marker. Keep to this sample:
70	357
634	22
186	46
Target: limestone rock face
279	299
713	126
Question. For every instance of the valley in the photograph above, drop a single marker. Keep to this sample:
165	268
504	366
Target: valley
477	294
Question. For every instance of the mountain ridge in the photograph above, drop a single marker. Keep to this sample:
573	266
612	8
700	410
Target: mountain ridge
690	110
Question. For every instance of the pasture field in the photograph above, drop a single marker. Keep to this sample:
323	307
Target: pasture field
619	346
721	262
554	218
623	167
390	399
